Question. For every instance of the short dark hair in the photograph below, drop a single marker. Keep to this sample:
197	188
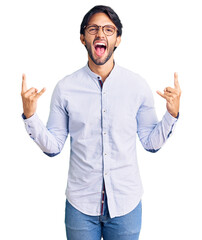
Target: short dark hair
102	9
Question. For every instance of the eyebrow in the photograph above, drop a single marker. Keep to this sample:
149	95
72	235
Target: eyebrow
93	24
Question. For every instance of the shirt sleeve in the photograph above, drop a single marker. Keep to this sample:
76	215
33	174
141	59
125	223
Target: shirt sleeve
151	132
50	138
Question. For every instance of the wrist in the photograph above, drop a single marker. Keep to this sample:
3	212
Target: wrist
27	115
175	115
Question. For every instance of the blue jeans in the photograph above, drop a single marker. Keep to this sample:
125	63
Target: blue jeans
81	226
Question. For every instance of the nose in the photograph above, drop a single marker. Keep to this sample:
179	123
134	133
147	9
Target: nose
100	32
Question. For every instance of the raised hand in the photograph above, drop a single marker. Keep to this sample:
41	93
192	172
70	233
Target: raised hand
29	98
172	96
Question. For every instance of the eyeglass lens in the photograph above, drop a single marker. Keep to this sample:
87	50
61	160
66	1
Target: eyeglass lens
108	30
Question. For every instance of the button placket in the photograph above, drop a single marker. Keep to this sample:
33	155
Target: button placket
104	139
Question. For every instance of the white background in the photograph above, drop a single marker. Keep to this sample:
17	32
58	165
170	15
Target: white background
41	38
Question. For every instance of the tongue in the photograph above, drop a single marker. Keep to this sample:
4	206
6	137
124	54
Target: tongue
100	51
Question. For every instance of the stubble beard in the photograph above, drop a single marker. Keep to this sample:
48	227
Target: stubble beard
99	61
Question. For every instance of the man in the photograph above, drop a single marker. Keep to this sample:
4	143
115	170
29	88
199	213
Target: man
102	106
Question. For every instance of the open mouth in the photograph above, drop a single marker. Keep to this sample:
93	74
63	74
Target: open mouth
100	48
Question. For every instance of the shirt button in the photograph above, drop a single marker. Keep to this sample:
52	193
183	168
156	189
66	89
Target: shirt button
105	173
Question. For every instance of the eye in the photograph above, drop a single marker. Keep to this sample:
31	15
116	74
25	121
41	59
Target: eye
109	29
92	29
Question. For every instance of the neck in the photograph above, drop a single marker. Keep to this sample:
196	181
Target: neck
102	70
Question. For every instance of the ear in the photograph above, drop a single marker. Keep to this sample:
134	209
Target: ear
82	38
118	40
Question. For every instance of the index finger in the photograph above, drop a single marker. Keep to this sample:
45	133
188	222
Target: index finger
176	83
24	84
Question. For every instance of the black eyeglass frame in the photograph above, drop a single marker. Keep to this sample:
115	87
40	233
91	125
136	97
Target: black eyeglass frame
98	28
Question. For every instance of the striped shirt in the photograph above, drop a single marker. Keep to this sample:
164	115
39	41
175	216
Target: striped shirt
103	120
103	190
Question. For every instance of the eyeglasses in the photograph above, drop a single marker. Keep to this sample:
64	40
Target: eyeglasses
108	30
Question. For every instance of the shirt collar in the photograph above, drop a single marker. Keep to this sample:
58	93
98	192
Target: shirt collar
98	77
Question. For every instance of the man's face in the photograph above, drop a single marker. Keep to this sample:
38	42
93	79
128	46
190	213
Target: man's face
100	55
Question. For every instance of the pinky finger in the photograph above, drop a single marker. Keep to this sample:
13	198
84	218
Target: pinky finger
161	94
40	93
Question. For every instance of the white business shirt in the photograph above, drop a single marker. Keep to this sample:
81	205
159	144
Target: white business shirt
103	123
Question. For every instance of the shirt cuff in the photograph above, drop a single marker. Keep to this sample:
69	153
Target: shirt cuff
23	116
30	118
170	119
170	122
31	124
